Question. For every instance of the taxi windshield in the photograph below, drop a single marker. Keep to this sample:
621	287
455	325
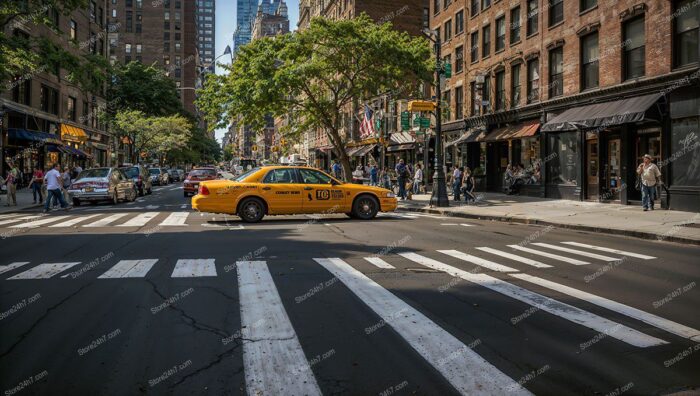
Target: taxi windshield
245	175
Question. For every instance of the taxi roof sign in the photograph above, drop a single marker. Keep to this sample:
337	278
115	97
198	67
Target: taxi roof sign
421	105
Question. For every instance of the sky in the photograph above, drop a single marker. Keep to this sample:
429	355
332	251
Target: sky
226	25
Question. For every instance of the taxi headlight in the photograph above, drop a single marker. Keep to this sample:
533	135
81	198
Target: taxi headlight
390	195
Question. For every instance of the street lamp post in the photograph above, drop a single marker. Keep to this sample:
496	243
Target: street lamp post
439	195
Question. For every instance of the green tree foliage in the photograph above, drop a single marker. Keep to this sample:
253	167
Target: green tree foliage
154	136
316	74
144	88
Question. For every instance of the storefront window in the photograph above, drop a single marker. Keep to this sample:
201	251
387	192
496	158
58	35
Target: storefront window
530	152
564	159
685	151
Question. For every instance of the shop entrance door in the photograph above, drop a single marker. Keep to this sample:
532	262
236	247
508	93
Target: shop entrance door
613	173
592	170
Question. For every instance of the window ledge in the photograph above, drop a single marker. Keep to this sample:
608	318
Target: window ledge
485	57
515	43
474	16
458	34
499	51
556	25
586	11
689	66
532	35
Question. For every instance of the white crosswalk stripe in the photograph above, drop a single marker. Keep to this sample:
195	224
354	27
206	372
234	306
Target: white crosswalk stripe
129	269
11	266
468	372
609	250
192	268
18	219
106	221
378	262
664	324
514	257
273	360
139	220
44	271
7	216
478	261
175	219
549	255
554	307
37	223
74	221
578	252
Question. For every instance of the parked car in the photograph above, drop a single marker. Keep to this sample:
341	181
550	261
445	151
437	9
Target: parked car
176	175
158	176
102	184
142	180
195	176
168	177
182	174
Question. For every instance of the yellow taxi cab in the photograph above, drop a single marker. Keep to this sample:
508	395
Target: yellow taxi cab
287	190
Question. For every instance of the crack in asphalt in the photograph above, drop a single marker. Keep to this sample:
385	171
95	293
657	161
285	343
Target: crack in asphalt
219	358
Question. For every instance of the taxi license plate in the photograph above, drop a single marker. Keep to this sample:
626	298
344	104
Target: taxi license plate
195	185
89	189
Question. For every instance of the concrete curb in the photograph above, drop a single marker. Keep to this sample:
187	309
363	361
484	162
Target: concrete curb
579	227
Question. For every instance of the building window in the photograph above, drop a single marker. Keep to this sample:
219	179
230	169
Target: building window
475	7
114	12
73	30
474	49
446	105
532	17
633	46
500	33
101	46
426	18
93	43
139	3
70	108
436	6
515	25
485	4
459	22
129	3
588	4
101	16
437	33
177	46
129	21
49	99
448	31
93	8
515	86
533	80
556	12
486	95
459	59
85	118
166	36
127	49
501	90
486	41
167	15
21	93
459	103
166	46
589	61
472	99
559	168
447	3
556	72
138	49
686	32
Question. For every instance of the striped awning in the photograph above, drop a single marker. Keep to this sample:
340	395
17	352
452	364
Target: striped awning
72	133
518	131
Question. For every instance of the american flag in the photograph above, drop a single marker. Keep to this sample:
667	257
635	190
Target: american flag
367	126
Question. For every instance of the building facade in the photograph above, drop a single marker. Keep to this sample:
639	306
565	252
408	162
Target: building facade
575	91
206	34
45	118
245	14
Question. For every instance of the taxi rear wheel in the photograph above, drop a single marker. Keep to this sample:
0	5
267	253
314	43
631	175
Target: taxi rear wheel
365	207
251	210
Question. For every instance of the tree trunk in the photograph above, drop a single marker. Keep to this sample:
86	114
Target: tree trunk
345	162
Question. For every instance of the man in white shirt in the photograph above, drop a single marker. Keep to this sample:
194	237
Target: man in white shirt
54	186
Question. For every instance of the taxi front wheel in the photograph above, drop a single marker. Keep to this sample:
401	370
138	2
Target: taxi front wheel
251	210
365	207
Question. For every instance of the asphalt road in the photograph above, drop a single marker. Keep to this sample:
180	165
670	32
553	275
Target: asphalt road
148	298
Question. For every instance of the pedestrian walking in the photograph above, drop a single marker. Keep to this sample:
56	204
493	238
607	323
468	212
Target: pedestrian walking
468	185
456	182
36	184
401	177
385	178
374	175
417	179
66	181
54	186
11	183
650	176
337	169
357	175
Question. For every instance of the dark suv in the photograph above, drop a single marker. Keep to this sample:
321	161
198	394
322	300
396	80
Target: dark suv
141	178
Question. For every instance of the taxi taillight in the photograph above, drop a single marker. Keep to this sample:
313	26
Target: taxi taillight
203	190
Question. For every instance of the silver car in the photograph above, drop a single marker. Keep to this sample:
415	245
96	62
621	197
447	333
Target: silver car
102	184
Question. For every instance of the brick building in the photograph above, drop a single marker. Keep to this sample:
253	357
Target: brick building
162	32
44	118
576	91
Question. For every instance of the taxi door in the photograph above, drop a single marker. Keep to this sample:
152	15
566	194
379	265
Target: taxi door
281	191
319	194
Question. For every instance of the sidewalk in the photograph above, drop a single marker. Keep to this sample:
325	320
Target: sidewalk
669	225
24	201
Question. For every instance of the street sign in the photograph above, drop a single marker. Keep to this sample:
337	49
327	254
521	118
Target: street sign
416	120
448	70
425	122
421	105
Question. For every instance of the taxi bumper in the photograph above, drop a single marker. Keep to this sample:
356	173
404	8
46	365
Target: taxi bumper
388	204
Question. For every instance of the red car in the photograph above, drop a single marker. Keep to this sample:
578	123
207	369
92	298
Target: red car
191	183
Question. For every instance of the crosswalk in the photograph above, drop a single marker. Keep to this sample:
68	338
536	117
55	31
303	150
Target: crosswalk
274	359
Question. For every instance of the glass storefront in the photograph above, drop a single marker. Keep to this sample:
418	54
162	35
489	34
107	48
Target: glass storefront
685	151
562	168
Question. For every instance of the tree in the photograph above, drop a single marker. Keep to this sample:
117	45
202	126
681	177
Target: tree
153	135
316	74
143	88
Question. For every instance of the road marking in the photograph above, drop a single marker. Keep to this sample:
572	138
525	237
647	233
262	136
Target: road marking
36	223
273	360
466	225
468	372
11	266
72	222
175	219
379	262
449	224
18	219
129	269
579	252
514	257
139	220
7	216
549	255
193	268
184	206
106	221
664	324
478	261
44	271
609	250
554	307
